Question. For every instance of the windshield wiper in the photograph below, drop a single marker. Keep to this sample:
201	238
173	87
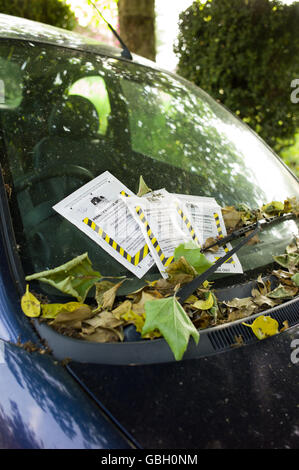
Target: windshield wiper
188	289
239	233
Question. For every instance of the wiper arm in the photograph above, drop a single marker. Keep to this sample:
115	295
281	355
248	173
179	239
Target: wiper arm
191	287
239	233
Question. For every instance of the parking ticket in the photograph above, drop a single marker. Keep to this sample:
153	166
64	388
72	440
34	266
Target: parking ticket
165	223
98	211
207	217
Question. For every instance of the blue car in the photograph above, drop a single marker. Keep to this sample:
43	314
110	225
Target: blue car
71	109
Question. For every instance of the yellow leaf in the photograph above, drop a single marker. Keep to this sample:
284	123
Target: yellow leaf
123	308
191	299
204	304
136	319
273	208
264	326
66	317
52	310
30	305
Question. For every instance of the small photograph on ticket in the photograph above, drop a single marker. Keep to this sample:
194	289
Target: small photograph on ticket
98	211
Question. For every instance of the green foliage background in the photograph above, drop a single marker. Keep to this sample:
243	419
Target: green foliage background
245	53
53	12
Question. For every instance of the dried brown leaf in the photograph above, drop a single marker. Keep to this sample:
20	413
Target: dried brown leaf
105	319
109	296
102	335
67	318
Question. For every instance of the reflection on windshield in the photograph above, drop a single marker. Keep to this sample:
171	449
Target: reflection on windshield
181	129
82	114
94	89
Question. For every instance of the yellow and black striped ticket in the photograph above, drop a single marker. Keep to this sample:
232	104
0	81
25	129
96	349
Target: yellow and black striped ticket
98	211
133	259
165	226
207	219
220	235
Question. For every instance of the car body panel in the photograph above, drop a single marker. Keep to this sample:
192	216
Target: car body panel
13	324
243	398
42	406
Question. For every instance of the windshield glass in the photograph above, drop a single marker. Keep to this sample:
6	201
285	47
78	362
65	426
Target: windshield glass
73	115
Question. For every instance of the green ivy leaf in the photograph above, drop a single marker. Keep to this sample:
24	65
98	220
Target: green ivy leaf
75	278
192	254
169	317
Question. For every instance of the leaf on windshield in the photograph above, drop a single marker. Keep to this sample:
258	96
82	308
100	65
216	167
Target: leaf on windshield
122	309
135	319
295	279
192	254
30	304
207	246
104	319
78	315
52	310
169	317
101	288
264	286
205	304
274	208
231	217
291	204
143	188
283	292
262	300
239	307
180	271
103	335
264	326
139	307
109	296
74	278
289	261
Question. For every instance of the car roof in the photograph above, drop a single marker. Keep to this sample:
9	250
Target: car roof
13	27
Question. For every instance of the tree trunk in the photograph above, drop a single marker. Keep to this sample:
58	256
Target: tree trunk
137	26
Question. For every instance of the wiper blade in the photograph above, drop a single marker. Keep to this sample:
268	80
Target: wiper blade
239	233
188	289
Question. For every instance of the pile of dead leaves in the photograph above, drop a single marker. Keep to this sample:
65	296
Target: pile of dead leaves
153	309
240	216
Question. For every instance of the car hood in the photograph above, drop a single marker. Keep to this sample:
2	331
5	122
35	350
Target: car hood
246	397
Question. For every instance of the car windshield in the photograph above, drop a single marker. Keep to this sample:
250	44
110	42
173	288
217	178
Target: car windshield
67	116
